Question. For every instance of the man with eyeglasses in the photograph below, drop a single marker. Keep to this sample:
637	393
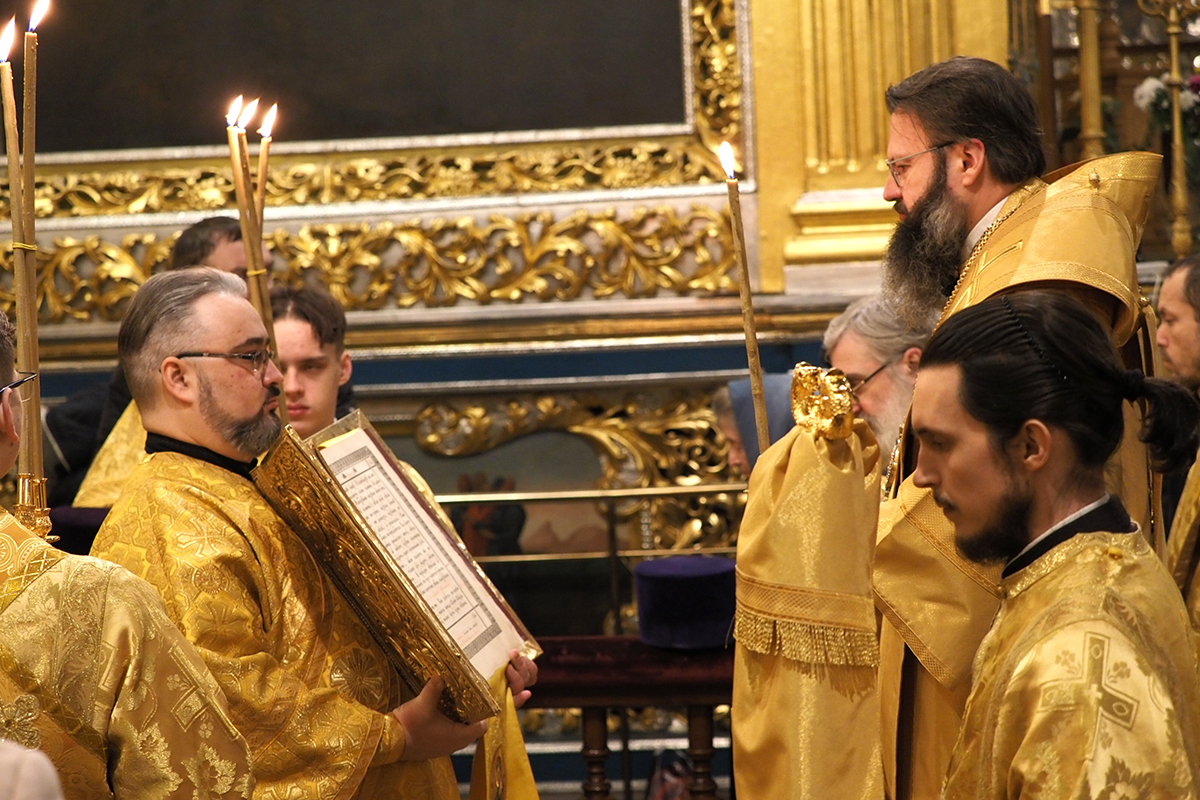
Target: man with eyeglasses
324	713
964	159
879	354
94	673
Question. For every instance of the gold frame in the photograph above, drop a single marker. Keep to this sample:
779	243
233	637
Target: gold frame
452	205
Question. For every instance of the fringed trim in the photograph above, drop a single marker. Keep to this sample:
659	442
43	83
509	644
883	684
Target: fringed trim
805	642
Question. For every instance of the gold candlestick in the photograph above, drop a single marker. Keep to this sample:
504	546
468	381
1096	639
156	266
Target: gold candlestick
739	240
1175	12
30	508
256	273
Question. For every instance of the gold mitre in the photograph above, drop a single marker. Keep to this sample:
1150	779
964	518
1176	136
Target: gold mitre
805	543
1082	225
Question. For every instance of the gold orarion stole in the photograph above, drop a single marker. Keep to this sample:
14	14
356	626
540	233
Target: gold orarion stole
397	560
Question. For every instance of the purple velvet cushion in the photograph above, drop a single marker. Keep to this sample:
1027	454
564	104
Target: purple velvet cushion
685	601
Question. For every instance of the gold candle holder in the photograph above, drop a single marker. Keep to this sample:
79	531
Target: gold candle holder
1176	12
256	273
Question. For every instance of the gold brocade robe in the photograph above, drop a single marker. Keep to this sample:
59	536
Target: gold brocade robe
121	452
1076	231
94	674
307	685
1086	686
1183	554
805	709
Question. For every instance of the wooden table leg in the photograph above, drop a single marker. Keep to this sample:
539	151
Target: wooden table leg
595	753
700	751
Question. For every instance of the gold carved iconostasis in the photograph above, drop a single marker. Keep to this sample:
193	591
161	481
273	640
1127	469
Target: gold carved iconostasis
520	206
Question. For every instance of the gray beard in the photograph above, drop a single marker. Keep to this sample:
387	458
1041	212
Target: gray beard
250	436
886	424
924	256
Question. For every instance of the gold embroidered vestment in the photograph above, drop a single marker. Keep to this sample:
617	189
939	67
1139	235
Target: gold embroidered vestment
1086	685
1076	231
306	683
94	674
805	709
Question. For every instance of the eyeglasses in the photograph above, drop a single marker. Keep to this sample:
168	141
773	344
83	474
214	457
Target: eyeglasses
258	358
892	163
28	377
855	388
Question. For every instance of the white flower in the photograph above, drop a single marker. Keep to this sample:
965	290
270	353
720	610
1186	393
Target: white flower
1187	100
1146	93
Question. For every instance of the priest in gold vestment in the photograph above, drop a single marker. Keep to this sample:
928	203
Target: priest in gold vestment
320	706
976	221
94	674
1086	685
804	666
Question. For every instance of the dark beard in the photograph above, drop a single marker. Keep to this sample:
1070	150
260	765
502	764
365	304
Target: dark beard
1006	534
250	436
924	256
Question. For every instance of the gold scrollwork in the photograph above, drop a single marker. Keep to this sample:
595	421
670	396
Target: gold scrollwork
434	263
642	439
510	259
717	73
450	172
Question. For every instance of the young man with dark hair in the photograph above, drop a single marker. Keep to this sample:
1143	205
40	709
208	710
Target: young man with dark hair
213	242
1087	679
310	335
1179	341
95	674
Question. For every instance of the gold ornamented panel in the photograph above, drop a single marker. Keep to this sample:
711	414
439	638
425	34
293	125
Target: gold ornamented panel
642	439
528	256
462	171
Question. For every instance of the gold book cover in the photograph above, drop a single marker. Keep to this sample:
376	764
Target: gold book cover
397	560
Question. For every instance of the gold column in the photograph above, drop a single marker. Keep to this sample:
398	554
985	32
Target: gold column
1175	12
1091	126
820	71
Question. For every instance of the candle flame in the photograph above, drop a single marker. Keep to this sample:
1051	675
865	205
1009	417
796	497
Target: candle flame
247	114
39	11
235	108
725	153
268	122
6	39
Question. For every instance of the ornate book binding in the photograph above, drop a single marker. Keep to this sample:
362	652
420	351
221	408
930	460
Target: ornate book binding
396	559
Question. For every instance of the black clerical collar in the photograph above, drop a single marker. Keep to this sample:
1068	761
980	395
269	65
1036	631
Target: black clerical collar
1109	516
157	443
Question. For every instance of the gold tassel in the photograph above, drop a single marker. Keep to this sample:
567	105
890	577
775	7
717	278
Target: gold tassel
806	642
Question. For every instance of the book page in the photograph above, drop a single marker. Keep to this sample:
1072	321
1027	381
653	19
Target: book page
419	545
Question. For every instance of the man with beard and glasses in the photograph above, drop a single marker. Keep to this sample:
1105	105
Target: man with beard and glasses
879	353
964	157
1085	685
324	713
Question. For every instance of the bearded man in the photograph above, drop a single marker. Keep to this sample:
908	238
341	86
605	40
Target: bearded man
315	697
1085	686
964	155
879	353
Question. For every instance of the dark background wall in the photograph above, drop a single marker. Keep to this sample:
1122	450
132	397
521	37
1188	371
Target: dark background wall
149	73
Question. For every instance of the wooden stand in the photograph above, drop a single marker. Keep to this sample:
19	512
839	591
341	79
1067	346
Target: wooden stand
599	672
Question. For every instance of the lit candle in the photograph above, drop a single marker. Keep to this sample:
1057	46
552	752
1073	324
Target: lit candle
28	123
256	273
264	149
31	483
725	153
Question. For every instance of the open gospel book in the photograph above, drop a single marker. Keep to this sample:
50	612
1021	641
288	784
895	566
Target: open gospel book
396	558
